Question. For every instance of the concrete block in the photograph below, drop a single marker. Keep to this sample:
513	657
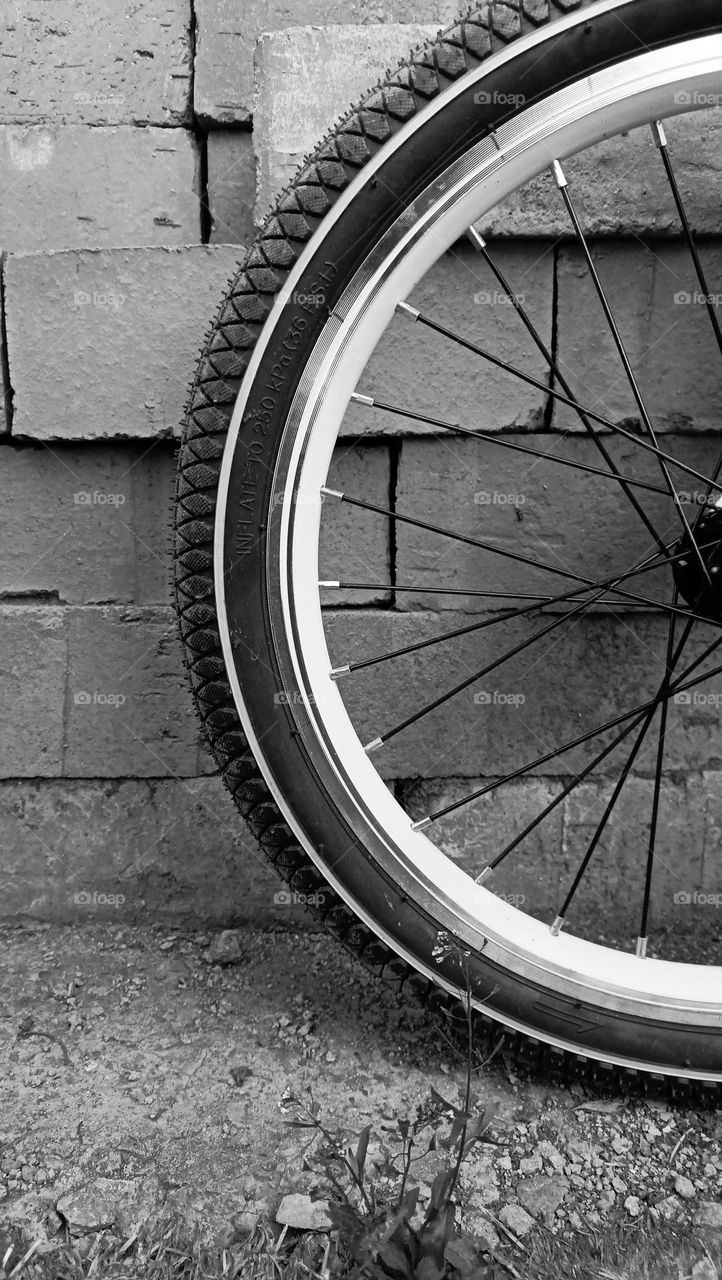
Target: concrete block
131	319
100	64
355	544
620	186
657	303
128	708
95	692
86	525
537	875
231	186
227	32
5	390
133	849
577	521
309	76
32	680
417	368
574	679
68	186
473	835
610	895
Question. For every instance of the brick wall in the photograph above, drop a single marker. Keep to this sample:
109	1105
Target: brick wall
130	174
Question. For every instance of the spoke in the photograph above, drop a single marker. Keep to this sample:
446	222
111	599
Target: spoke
424	588
456	537
661	739
490	438
645	567
661	141
661	698
679	687
500	857
337	672
531	328
477	675
544	813
564	597
439	591
562	184
418	317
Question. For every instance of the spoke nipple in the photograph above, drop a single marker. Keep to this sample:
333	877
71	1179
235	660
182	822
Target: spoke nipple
330	493
557	926
407	310
483	875
357	398
558	174
478	241
419	826
336	672
373	745
660	136
641	949
332	586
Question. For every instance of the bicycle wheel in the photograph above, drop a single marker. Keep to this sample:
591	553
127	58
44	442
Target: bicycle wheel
324	721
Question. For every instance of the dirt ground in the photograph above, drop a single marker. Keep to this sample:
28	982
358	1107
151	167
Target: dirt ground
142	1077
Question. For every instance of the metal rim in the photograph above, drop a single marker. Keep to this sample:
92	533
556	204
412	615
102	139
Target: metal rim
633	94
507	138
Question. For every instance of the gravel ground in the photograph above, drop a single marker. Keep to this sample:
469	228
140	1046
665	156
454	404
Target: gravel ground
142	1072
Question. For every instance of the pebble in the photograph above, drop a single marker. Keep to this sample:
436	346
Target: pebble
225	948
516	1219
669	1208
709	1214
684	1187
303	1213
549	1152
541	1195
633	1206
705	1270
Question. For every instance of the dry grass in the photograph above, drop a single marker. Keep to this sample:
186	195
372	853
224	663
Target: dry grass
170	1253
641	1250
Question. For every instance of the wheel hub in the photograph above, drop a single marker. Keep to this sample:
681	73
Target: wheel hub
702	594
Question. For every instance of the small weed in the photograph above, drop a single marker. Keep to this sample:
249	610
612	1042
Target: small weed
382	1229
